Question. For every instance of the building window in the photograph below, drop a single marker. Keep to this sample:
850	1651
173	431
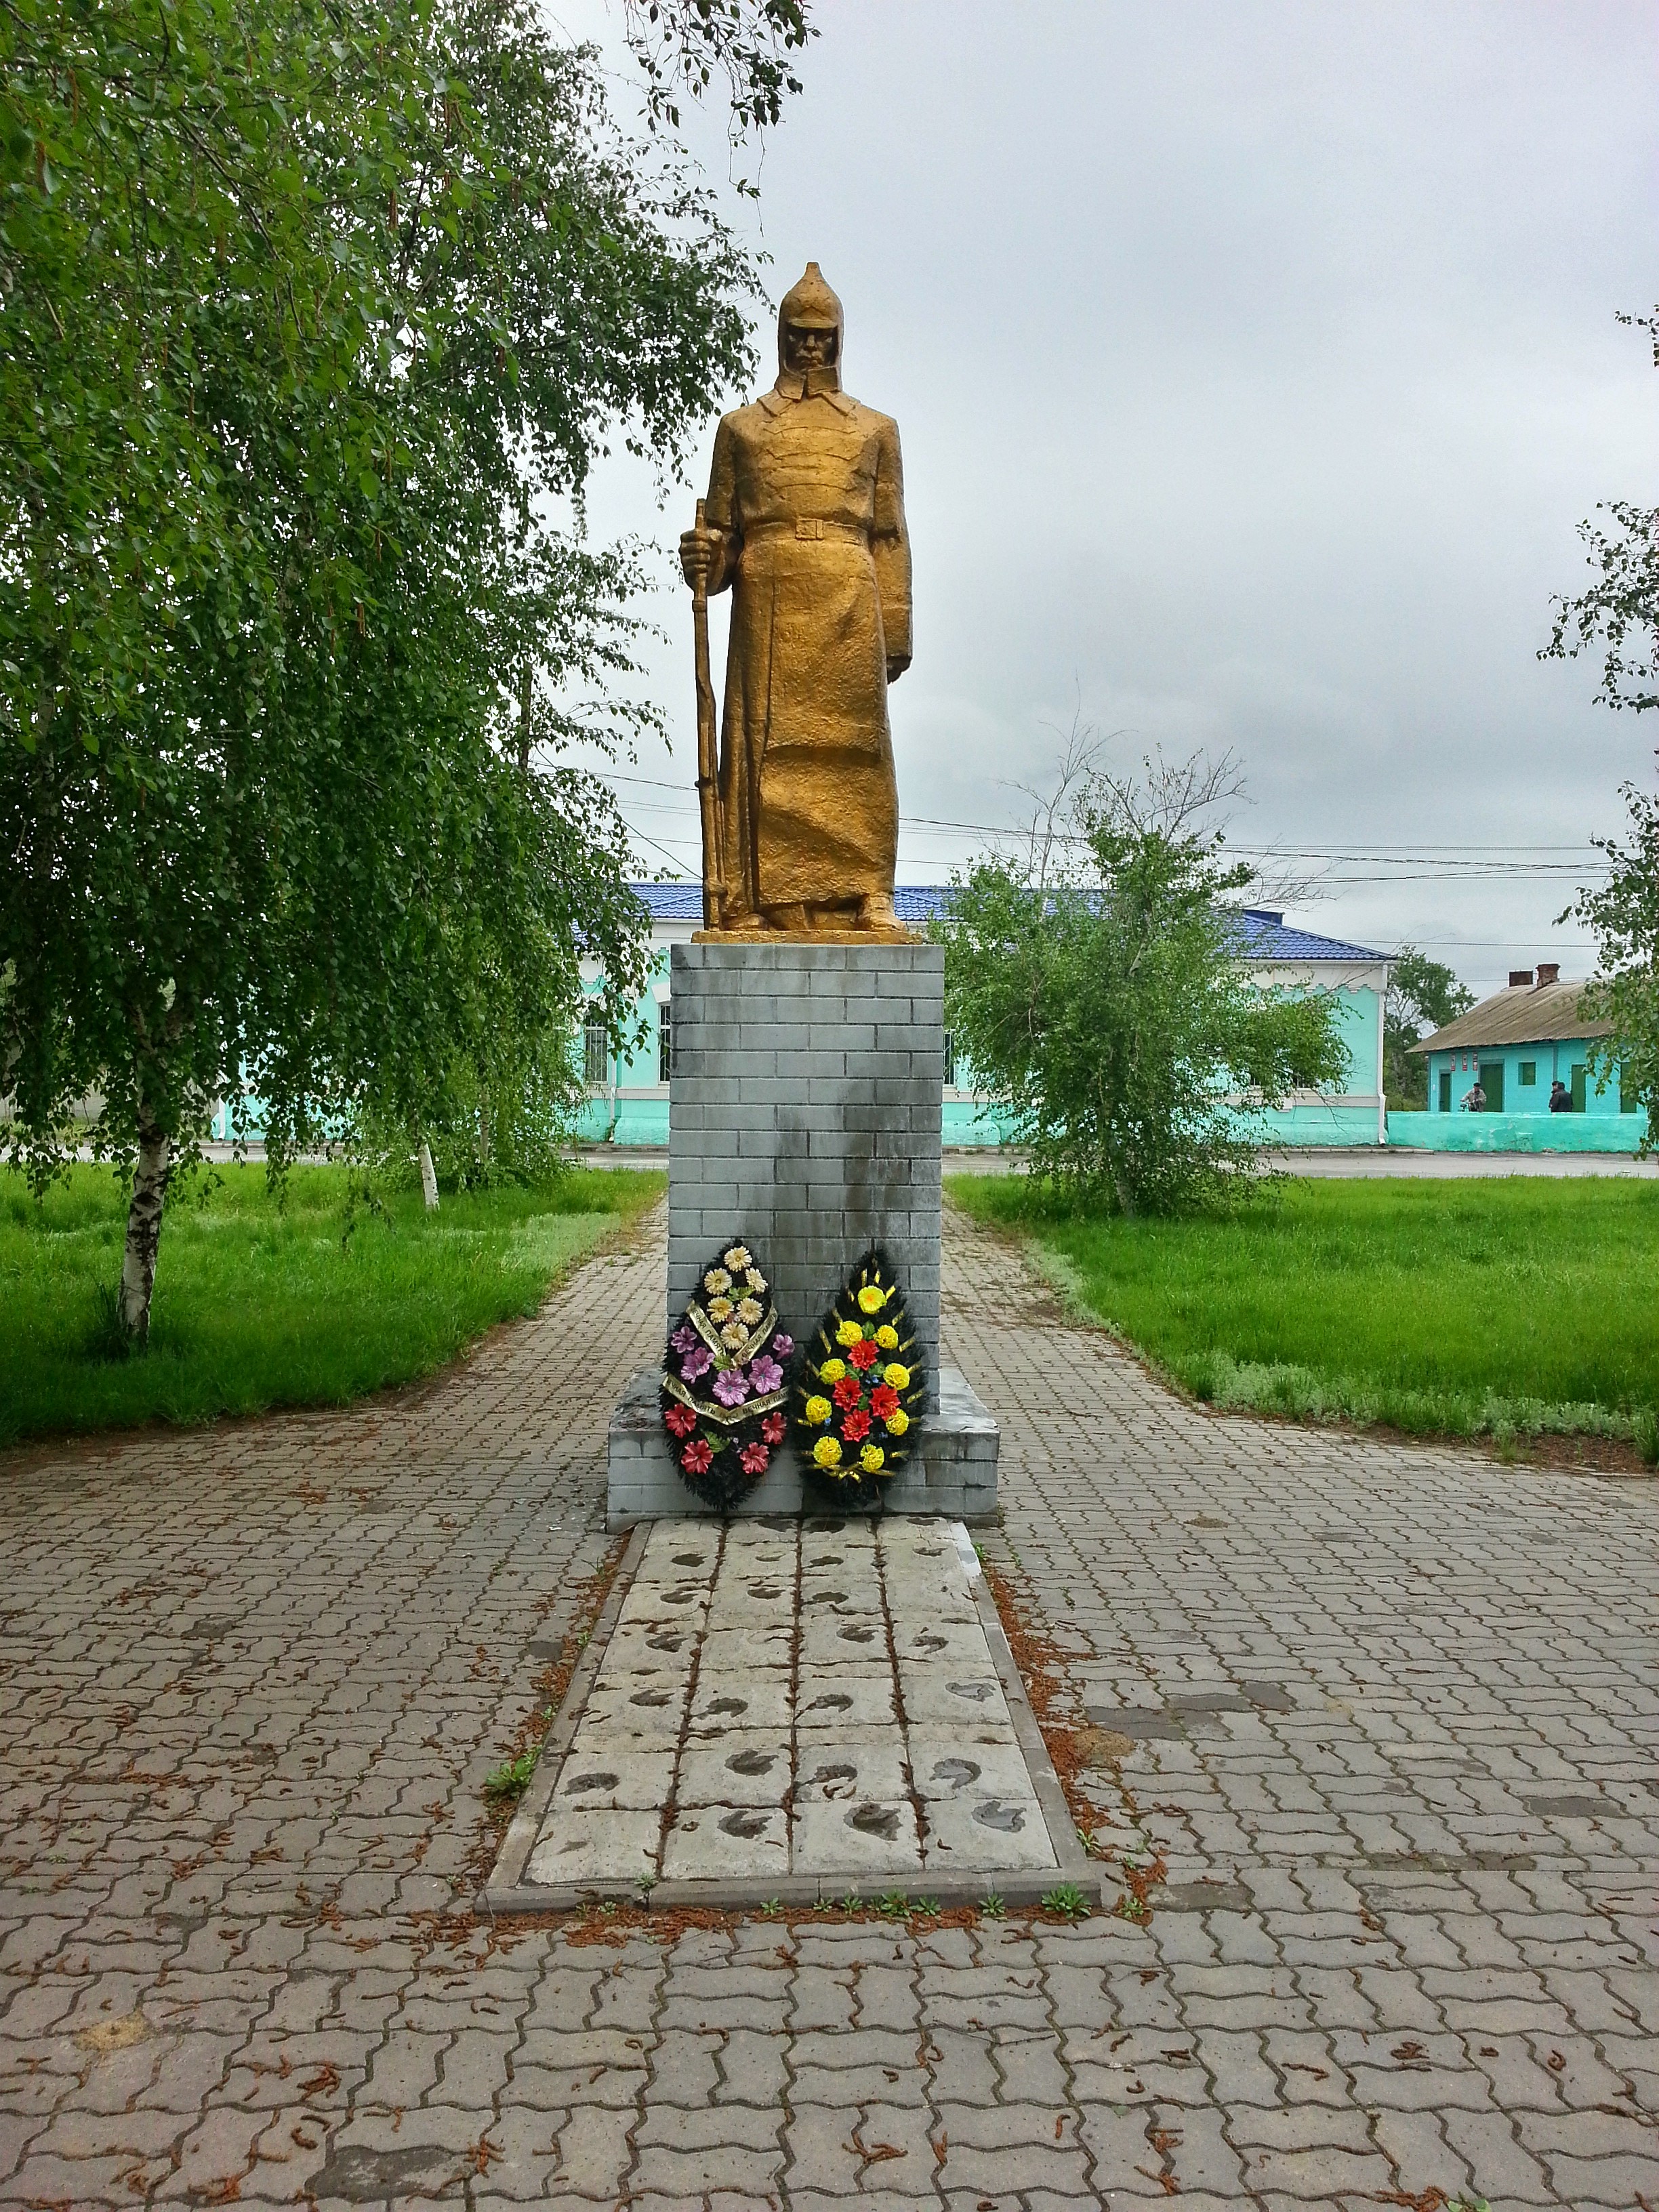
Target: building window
950	1061
1527	1074
664	1040
596	1055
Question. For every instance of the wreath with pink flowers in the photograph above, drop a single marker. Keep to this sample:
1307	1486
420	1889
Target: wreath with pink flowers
724	1391
859	1391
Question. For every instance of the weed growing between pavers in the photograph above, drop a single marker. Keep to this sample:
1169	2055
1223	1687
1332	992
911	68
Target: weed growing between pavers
509	1782
1066	1901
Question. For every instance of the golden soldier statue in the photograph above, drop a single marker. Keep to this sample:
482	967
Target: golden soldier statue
804	522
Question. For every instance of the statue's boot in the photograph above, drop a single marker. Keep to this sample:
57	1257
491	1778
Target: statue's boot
876	912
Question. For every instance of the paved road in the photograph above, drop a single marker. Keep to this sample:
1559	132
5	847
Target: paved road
1390	1717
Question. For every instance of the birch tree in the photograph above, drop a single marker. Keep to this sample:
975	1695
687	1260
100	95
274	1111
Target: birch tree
309	316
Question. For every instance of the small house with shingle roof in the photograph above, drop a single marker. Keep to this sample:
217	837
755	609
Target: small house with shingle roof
1518	1046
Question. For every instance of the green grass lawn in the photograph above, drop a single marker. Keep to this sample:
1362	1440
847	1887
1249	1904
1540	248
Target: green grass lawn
1510	1306
258	1305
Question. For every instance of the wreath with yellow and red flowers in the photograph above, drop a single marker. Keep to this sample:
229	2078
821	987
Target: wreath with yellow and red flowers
860	1390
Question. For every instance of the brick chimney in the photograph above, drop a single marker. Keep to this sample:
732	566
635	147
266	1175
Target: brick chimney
1549	971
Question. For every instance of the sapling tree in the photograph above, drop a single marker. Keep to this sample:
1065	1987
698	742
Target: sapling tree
310	319
1093	978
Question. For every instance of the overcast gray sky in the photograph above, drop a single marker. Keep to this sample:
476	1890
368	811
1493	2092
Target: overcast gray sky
1254	363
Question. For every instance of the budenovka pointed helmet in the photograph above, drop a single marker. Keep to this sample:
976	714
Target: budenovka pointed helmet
814	306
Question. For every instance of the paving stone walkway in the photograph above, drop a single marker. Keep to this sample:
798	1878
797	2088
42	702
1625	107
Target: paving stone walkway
1389	1718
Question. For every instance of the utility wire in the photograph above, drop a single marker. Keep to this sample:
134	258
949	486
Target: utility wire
1380	854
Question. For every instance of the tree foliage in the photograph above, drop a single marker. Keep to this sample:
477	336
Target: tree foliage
1624	913
1620	611
1093	978
310	317
1423	996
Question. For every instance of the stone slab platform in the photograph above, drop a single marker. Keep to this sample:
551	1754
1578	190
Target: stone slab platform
796	1710
953	1469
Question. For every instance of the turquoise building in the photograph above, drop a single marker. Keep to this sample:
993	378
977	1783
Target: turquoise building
628	1096
1517	1045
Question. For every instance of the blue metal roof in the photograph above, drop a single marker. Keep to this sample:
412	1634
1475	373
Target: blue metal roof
1262	932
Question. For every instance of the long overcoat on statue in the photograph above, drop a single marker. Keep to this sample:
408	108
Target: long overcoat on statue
807	490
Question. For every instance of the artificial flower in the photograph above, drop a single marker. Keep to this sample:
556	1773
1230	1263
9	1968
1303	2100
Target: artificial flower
750	1311
720	1310
863	1355
872	1298
849	1333
897	1376
680	1420
855	1425
773	1429
696	1458
897	1423
887	1337
732	1388
685	1337
832	1371
754	1278
764	1375
733	1335
827	1452
847	1392
717	1280
738	1257
872	1459
818	1411
698	1361
782	1345
754	1459
884	1401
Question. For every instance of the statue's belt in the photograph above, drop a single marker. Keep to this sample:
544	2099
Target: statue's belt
807	527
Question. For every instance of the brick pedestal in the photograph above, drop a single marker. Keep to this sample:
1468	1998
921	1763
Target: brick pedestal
804	1100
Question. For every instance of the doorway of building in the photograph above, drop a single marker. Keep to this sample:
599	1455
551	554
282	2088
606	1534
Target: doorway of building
1491	1082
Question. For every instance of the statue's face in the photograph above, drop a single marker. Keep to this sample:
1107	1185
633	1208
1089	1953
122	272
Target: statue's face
806	346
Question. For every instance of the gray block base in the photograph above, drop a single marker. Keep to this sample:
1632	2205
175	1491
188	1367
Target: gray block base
953	1470
805	1101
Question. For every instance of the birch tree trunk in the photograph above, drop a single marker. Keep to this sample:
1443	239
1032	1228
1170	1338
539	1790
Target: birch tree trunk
428	1177
150	1190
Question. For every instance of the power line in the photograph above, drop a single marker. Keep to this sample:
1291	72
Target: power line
1382	853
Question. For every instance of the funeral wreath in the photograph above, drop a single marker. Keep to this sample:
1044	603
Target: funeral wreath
723	1395
859	1391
